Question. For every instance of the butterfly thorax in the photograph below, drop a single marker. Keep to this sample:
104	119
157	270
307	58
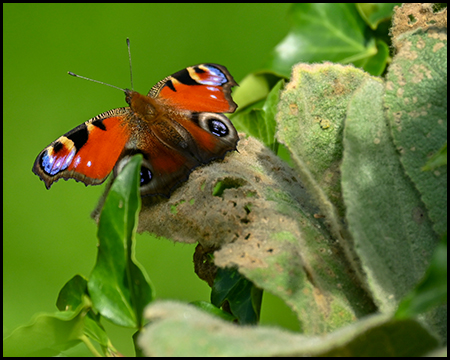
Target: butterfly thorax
143	106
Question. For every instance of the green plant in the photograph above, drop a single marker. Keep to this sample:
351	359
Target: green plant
343	238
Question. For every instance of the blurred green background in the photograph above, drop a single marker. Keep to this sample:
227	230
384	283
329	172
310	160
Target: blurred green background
48	236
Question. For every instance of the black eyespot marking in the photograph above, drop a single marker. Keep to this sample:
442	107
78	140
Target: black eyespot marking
146	176
217	128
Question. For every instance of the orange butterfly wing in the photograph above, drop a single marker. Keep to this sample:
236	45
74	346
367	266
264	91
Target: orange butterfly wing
177	127
205	87
87	153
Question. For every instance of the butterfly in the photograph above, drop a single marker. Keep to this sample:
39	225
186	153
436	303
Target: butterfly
177	126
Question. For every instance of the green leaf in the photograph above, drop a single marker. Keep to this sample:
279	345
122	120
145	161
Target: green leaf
376	64
119	288
437	160
213	310
262	219
332	32
48	335
70	297
416	106
374	13
432	290
257	117
392	234
243	297
254	122
311	120
253	88
177	329
270	110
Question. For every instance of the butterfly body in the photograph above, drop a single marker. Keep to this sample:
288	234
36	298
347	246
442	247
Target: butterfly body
177	126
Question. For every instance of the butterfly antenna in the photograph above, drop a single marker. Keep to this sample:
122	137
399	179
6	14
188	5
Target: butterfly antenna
99	82
129	57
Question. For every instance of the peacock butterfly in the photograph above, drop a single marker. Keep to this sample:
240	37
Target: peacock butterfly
177	126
